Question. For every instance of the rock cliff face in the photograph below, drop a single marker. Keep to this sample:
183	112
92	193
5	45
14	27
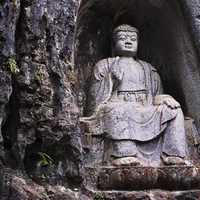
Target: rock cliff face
40	136
41	153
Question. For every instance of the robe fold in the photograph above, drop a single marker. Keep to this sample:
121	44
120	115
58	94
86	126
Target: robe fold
128	120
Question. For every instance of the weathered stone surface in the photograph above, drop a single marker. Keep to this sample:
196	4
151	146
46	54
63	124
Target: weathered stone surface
161	49
141	178
140	123
15	186
177	62
9	13
38	35
143	195
191	13
39	133
48	112
93	142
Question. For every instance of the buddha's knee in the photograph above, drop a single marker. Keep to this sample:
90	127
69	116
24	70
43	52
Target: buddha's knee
179	113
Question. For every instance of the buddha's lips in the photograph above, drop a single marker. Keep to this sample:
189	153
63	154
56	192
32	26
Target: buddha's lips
128	46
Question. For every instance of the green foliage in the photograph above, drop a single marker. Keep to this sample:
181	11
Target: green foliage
39	76
11	65
72	77
45	160
98	196
15	3
70	64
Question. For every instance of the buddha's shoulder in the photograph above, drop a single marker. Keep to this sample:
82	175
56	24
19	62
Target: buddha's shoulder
104	65
106	61
148	65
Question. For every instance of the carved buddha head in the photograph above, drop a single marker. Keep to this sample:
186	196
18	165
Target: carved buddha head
125	41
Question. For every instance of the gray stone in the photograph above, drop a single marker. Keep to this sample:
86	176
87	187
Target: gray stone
38	111
132	178
139	123
144	195
16	186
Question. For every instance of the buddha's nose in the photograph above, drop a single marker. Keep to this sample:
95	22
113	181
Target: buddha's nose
128	43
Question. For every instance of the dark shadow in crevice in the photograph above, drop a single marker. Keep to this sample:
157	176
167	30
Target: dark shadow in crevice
9	129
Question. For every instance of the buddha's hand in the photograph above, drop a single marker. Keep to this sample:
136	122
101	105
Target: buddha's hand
167	100
116	70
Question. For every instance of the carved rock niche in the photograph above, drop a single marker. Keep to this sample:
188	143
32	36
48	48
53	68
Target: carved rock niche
165	42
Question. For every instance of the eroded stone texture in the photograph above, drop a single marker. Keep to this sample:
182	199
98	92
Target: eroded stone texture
147	195
9	13
135	178
16	186
141	125
39	110
48	112
44	37
191	12
162	24
161	49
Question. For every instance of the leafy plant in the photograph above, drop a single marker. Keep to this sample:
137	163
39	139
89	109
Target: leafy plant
39	76
15	3
72	76
45	160
11	65
70	64
98	196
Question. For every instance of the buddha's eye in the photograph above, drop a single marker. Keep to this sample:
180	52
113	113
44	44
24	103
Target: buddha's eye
122	37
133	39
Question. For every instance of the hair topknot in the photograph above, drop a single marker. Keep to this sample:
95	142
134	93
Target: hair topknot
125	27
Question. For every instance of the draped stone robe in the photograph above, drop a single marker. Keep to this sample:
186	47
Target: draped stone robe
129	116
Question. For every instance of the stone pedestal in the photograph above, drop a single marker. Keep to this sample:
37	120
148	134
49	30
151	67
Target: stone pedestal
174	178
143	183
143	178
139	183
142	195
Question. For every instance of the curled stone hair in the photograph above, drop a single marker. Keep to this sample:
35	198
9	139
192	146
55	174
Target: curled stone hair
125	27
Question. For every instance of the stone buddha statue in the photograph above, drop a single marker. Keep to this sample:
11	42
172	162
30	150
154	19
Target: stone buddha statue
141	125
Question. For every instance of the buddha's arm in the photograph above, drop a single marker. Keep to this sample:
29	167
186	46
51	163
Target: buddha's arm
101	86
158	88
160	98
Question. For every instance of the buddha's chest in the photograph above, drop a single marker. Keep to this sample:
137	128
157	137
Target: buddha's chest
133	77
133	73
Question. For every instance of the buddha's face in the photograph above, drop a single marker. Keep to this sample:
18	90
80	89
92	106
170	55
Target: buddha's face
126	43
